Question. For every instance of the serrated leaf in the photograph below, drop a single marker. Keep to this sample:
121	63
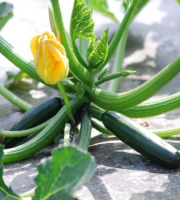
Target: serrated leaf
97	51
5	192
82	24
60	175
5	13
103	7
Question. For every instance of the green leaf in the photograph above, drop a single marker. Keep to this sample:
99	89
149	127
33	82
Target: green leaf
60	175
97	51
5	192
82	24
5	13
178	1
103	7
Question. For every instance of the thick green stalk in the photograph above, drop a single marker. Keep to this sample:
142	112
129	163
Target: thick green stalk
122	101
85	131
76	68
26	132
10	53
23	105
152	108
113	85
44	137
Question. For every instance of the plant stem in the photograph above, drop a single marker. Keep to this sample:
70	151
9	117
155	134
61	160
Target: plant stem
26	132
14	99
152	108
85	131
123	73
98	125
122	101
113	85
67	130
78	55
118	35
76	68
163	133
66	101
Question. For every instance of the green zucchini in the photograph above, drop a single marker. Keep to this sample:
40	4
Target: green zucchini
33	117
141	139
42	139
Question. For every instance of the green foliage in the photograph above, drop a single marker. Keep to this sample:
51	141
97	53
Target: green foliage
5	192
97	50
5	13
60	175
82	24
103	7
178	1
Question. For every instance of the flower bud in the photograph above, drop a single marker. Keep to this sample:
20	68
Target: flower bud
50	59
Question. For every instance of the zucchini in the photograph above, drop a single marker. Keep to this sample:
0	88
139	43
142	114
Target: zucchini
42	139
33	117
141	139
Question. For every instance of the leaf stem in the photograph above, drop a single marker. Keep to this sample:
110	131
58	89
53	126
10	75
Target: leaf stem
152	108
113	85
26	132
63	93
163	133
122	101
67	130
23	105
118	35
123	73
85	131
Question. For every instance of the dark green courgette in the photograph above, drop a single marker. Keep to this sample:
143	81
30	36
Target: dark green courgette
33	117
140	139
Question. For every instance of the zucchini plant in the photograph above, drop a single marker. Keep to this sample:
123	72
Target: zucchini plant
78	72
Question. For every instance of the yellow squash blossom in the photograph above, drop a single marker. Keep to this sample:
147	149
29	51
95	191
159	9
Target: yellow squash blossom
50	59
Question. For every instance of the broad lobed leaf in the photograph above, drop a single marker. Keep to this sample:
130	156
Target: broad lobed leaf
60	175
97	51
82	24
